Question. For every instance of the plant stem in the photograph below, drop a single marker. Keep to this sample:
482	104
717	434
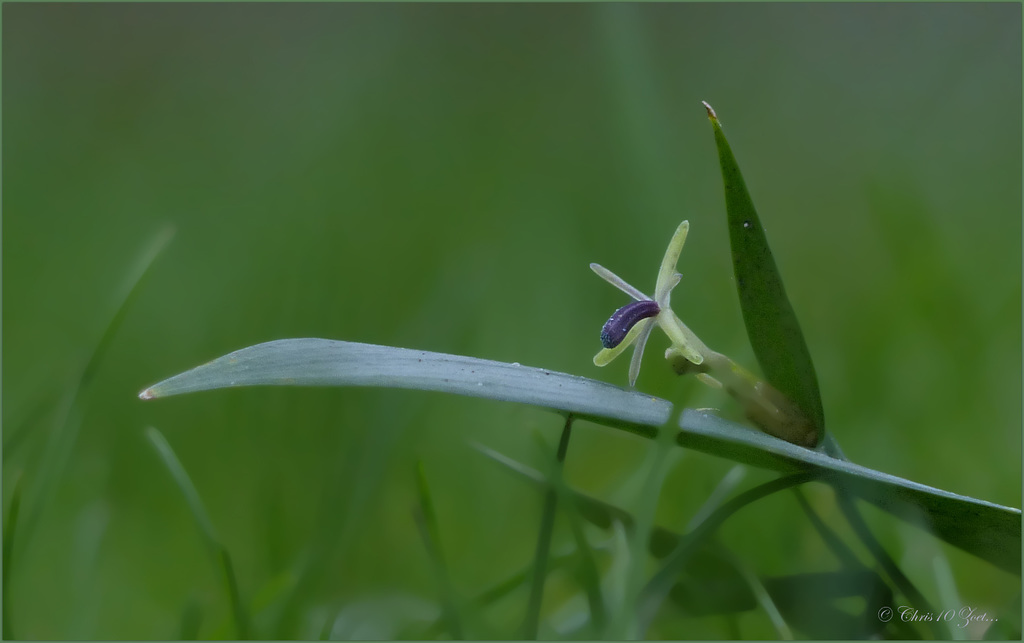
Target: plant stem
547	525
762	403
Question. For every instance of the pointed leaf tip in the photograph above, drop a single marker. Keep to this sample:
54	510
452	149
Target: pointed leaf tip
711	111
768	315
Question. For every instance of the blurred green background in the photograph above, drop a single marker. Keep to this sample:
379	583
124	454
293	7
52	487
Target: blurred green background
439	177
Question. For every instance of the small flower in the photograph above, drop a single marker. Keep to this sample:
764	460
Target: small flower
633	323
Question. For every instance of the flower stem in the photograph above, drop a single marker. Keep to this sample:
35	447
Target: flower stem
762	403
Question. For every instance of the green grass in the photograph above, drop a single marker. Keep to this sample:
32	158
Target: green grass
223	567
439	178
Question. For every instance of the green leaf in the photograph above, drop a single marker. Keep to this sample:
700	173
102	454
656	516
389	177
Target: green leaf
218	553
324	362
380	618
658	588
10	522
547	528
710	581
807	602
61	442
772	325
426	521
987	530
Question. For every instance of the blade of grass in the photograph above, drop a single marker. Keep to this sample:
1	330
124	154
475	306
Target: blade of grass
65	432
985	529
22	425
595	511
607	516
90	532
498	591
587	571
322	362
899	579
831	539
191	619
355	477
948	594
712	585
547	526
809	603
625	623
764	599
10	523
426	521
654	593
219	555
772	326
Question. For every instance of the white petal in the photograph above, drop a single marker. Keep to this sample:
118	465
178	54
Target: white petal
665	298
668	264
638	352
618	282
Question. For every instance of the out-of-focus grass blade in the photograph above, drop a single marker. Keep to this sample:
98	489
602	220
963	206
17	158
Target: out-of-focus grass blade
191	619
985	529
547	527
496	592
65	432
426	520
625	623
595	511
655	591
220	557
707	581
772	325
807	602
899	579
764	599
1008	626
379	618
712	584
586	571
831	539
19	428
10	522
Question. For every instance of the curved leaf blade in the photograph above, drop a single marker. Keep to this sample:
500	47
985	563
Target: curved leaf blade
772	326
990	531
987	530
325	362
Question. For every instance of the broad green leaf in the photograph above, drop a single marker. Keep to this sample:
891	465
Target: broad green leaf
985	529
772	325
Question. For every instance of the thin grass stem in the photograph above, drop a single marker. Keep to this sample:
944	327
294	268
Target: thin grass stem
220	558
